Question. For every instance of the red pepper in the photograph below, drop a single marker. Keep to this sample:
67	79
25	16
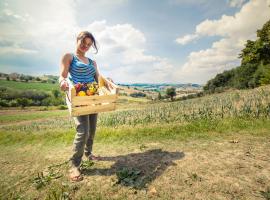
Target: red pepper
78	87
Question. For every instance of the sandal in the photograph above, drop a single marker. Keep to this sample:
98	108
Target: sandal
75	175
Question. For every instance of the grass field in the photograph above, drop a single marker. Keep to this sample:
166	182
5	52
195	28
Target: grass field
29	85
215	147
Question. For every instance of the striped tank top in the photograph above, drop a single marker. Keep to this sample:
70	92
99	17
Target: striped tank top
79	72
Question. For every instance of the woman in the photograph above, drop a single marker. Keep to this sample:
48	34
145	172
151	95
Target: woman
78	68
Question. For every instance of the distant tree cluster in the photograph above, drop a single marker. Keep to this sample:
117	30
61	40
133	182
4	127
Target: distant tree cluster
13	98
27	78
137	94
254	70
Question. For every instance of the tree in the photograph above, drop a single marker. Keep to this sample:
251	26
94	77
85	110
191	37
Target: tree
171	92
22	77
159	96
258	51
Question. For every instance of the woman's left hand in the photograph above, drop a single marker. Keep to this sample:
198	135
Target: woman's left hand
109	85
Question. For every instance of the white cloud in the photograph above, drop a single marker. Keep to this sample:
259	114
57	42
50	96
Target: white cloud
235	30
122	54
186	39
16	50
50	30
236	3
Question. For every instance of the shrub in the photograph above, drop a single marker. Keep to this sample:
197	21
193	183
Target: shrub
13	103
23	102
62	107
137	94
4	103
47	102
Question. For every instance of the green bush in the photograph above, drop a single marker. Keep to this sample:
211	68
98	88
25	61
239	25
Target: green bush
13	103
47	102
62	107
23	102
4	103
137	94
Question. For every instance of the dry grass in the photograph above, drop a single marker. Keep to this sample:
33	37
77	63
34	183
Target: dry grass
228	168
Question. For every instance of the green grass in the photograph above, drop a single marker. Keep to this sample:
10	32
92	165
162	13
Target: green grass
26	116
202	129
28	86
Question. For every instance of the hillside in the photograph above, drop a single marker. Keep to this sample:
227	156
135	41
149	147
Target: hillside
254	70
25	90
19	85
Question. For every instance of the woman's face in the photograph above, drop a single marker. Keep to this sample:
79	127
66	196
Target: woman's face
84	45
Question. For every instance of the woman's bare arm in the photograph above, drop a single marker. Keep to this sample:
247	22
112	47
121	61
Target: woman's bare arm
64	68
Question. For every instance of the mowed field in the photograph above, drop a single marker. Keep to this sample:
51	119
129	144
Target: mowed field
213	147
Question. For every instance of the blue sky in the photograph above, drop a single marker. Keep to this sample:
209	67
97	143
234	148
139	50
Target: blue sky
153	41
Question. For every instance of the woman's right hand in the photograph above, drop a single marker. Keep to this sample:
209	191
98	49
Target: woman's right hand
65	63
64	85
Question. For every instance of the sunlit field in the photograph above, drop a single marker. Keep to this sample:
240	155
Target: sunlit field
213	147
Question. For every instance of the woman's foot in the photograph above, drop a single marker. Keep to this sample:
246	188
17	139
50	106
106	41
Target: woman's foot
75	174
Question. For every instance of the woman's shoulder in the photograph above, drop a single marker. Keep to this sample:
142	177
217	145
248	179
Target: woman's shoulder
67	56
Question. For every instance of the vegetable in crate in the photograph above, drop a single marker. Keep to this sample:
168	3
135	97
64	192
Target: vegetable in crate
86	89
78	87
81	93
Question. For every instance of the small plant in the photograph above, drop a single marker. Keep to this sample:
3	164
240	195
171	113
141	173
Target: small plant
42	180
87	164
195	177
128	177
266	194
59	195
142	147
14	195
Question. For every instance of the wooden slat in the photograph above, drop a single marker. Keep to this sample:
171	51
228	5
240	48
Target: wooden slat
93	97
72	91
84	110
83	105
88	100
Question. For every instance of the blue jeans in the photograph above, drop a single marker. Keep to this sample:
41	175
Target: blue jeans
83	141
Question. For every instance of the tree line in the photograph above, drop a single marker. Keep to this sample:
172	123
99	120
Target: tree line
13	98
254	70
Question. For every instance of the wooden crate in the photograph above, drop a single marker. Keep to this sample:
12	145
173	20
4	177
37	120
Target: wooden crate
84	105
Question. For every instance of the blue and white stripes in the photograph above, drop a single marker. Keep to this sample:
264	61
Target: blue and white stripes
81	72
